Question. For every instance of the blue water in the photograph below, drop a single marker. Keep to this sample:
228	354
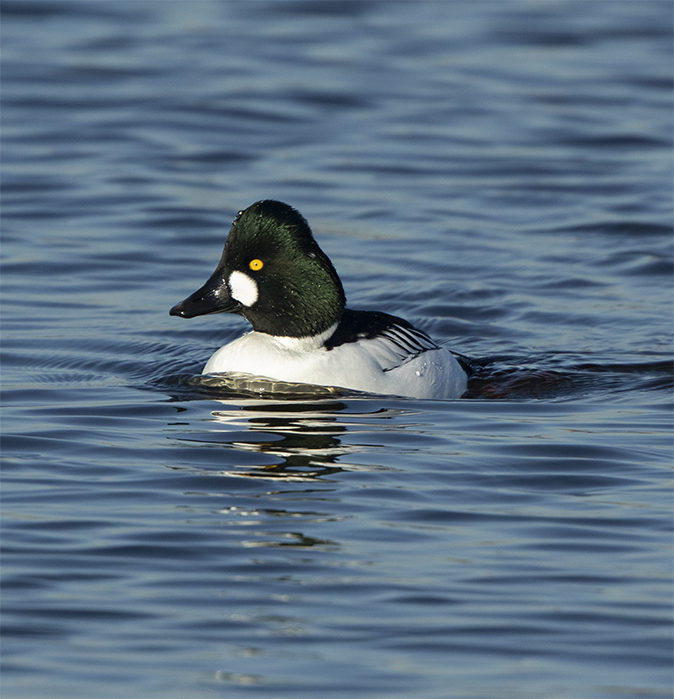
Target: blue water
500	174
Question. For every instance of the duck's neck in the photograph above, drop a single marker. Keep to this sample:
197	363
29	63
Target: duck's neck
305	344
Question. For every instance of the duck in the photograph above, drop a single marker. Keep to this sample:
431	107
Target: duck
274	274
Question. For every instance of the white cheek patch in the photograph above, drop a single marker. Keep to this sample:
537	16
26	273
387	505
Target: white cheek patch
242	288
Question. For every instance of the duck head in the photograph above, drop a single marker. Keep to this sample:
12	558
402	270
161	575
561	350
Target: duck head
273	273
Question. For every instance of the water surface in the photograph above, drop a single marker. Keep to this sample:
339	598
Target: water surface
500	174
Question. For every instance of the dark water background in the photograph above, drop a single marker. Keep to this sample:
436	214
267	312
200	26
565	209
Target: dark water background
499	173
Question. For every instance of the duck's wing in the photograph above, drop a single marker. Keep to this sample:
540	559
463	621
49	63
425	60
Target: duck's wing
391	341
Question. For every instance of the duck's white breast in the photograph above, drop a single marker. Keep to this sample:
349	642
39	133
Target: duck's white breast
356	365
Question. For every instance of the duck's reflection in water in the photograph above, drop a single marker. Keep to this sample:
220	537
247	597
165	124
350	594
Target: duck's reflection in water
297	427
306	442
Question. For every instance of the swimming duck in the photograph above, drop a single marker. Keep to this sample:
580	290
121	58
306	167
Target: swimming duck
274	274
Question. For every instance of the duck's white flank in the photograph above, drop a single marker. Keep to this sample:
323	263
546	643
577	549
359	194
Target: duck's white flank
359	366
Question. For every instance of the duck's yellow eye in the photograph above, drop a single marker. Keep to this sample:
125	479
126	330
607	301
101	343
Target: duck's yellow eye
255	265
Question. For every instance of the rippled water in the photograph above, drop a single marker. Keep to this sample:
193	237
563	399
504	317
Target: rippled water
498	173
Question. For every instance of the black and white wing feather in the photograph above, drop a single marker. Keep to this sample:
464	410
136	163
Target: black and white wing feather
392	341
